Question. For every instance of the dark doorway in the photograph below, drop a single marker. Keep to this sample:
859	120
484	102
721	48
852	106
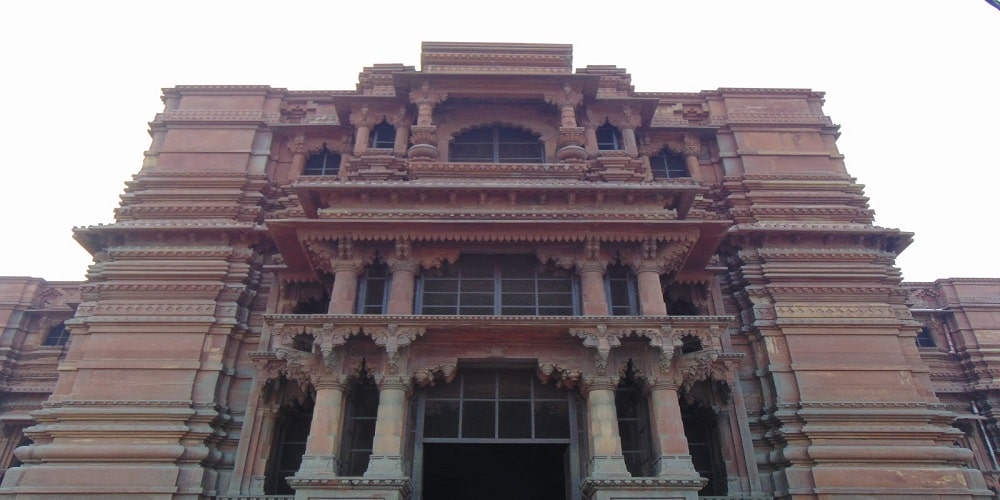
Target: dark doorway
494	471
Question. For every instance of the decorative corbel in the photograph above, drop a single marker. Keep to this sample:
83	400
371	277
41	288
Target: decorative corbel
665	340
393	338
563	377
603	340
426	377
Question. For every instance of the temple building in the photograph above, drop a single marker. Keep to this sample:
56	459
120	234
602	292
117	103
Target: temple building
496	277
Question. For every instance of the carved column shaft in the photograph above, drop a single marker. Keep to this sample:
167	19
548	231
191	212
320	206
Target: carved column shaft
361	141
390	429
590	134
628	137
402	138
345	288
323	446
668	429
402	287
650	294
605	443
595	302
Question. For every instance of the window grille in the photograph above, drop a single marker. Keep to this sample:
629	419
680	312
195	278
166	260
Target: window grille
57	335
497	145
498	285
496	405
325	162
668	165
620	288
359	427
608	138
373	290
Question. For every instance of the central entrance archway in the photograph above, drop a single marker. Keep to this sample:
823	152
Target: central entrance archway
496	434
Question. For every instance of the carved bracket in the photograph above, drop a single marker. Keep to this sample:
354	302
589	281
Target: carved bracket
393	337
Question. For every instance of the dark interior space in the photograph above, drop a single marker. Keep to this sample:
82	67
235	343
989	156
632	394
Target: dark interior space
493	471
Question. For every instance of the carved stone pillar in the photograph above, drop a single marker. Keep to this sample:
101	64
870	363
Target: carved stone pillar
670	443
325	433
390	428
402	138
691	149
595	301
402	286
606	459
647	275
268	415
424	138
362	123
298	147
628	137
346	266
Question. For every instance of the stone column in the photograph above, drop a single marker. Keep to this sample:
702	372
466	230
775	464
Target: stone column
402	285
606	459
402	138
595	301
692	146
298	156
345	285
322	454
390	428
670	443
361	139
651	301
628	137
268	415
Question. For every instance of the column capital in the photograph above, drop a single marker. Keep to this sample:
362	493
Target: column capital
659	257
598	383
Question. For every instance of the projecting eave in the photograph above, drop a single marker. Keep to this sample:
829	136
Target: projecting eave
702	237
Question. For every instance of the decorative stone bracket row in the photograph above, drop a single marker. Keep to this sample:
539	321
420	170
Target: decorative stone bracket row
316	361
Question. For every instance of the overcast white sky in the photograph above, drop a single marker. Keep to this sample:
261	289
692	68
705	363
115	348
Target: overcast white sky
914	83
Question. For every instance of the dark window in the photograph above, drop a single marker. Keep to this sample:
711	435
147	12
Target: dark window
57	335
383	136
620	287
290	444
496	405
633	426
702	435
925	338
373	290
497	145
668	165
359	427
498	285
325	162
608	137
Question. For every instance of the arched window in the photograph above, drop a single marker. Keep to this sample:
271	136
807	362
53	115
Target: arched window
383	136
668	165
497	144
325	162
609	138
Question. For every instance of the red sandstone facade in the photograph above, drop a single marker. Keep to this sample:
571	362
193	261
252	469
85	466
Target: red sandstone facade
495	277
